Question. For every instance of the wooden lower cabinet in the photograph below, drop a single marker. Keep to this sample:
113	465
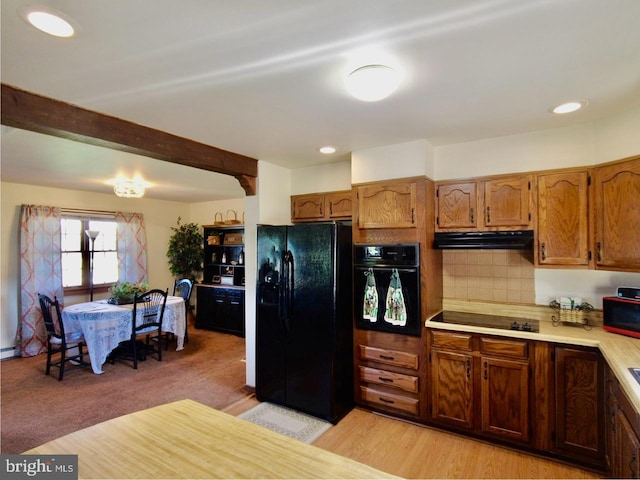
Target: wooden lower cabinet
579	405
505	398
388	374
622	432
481	384
627	449
452	388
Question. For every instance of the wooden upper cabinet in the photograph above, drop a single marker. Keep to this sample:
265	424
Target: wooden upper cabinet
317	207
563	219
617	215
339	204
491	203
387	205
307	207
507	201
457	205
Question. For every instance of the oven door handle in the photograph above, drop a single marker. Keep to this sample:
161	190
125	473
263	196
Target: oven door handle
387	269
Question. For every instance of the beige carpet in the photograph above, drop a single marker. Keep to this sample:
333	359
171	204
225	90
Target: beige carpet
286	421
36	408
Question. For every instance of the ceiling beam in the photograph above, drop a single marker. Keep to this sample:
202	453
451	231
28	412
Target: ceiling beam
28	111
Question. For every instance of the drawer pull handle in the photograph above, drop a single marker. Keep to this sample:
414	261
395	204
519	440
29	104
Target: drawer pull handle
383	379
543	251
485	371
387	357
386	400
471	215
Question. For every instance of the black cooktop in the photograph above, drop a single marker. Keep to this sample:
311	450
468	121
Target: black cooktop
488	321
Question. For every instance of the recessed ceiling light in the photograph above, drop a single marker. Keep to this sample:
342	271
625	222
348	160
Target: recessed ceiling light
371	83
328	150
48	20
569	107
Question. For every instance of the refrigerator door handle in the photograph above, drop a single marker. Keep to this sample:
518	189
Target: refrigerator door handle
282	304
290	288
287	300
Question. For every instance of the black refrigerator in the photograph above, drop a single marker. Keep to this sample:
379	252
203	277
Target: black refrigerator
304	328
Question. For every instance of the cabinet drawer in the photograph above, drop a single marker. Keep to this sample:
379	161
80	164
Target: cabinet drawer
456	341
504	348
389	379
388	400
389	357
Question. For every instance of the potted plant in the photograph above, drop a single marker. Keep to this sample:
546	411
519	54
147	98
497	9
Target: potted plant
124	292
185	250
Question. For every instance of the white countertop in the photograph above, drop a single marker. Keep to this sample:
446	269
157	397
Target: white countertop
620	352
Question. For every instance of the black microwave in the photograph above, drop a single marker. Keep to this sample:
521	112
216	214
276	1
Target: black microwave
621	315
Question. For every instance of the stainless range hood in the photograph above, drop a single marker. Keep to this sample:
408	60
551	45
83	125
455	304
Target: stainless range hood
510	240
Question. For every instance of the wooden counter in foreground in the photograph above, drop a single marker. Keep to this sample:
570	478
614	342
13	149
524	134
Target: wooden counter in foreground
187	439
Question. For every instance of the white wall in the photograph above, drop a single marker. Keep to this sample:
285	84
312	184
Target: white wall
321	178
271	206
159	217
410	159
617	137
541	150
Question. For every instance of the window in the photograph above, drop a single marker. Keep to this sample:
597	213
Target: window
76	253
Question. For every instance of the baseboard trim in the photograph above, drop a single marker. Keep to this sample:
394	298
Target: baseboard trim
8	352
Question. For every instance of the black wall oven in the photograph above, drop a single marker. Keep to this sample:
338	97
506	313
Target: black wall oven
386	284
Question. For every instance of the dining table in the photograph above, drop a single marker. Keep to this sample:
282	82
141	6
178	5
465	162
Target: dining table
186	439
105	325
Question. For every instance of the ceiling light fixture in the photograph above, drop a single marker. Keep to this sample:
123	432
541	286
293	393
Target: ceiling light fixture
48	21
371	83
569	107
327	150
126	188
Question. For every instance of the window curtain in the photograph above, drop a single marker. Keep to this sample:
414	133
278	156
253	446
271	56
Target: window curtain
132	247
40	272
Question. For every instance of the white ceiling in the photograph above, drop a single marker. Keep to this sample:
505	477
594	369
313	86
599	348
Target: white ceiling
263	78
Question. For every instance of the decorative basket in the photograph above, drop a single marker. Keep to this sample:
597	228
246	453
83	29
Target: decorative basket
232	221
572	314
233	239
217	219
213	240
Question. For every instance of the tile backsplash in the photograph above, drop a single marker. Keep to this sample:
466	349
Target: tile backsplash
489	275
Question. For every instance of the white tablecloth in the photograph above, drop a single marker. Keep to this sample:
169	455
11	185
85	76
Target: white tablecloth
104	325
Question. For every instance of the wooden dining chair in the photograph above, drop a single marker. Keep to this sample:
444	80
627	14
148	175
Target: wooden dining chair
58	341
147	316
181	288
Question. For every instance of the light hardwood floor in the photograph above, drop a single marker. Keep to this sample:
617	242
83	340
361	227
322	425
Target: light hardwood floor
414	451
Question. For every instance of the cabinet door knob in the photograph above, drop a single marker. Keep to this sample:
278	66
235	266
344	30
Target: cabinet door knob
543	251
471	215
488	214
599	251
